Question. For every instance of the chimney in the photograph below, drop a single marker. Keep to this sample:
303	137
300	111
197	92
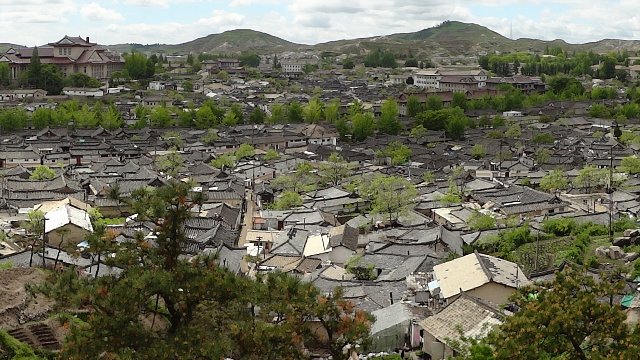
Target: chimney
391	297
87	39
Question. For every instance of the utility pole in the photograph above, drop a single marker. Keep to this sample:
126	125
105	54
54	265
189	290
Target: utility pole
44	243
610	192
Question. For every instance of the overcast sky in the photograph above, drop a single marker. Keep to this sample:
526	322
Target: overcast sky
35	22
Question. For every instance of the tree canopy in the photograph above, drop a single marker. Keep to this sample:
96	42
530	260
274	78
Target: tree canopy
567	318
164	305
389	195
42	172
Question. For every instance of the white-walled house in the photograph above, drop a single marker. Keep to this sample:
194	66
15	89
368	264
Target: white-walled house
87	92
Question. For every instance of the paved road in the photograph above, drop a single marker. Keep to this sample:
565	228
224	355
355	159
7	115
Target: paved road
247	224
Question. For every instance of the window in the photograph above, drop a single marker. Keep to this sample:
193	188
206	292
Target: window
59	51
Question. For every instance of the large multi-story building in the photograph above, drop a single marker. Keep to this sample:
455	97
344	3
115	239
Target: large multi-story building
70	54
451	79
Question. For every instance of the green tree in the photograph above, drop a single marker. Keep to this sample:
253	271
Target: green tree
42	172
160	117
223	75
543	138
210	137
13	119
630	165
250	60
456	127
332	111
287	200
434	102
312	112
414	107
35	229
173	139
205	118
294	112
566	319
138	66
590	176
82	80
411	62
542	156
554	181
86	118
479	221
428	177
607	68
245	151
171	163
459	100
34	70
230	118
271	154
498	121
187	85
418	131
278	114
5	74
478	151
257	116
388	122
390	195
41	118
224	161
237	111
345	325
348	64
363	126
166	303
599	111
398	153
110	119
334	169
51	79
300	181
514	131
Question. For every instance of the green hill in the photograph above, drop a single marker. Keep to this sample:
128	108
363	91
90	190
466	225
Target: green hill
447	39
232	41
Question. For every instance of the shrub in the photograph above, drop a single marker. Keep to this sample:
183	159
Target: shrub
559	227
623	224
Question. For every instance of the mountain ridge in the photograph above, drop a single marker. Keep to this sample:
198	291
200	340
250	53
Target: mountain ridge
450	38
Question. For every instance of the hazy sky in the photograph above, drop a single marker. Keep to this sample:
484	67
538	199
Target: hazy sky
35	22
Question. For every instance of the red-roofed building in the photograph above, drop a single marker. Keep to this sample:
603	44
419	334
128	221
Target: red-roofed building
70	54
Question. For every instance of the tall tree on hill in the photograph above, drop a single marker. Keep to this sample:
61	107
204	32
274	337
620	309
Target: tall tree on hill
34	70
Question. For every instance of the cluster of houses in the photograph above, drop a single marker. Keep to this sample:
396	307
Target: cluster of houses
420	284
419	276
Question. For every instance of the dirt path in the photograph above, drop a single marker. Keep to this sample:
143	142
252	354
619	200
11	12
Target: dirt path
247	223
16	306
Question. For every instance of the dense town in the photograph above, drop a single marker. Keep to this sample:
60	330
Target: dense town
429	191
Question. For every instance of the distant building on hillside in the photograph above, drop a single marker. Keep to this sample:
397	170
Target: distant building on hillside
71	55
